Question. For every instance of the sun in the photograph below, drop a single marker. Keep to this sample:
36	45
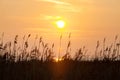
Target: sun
60	24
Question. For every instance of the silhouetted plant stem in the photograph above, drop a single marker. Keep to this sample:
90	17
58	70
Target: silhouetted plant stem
104	41
2	37
60	46
96	51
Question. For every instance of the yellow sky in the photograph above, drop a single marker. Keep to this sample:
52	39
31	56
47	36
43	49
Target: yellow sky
87	20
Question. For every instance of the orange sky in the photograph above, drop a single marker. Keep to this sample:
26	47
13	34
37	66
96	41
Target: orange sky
87	20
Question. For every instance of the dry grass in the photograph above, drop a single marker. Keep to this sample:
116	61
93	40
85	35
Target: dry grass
41	51
20	63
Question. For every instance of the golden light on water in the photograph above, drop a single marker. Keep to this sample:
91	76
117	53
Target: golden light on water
60	24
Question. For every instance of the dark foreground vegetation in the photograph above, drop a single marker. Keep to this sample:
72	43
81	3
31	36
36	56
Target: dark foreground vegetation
64	70
19	63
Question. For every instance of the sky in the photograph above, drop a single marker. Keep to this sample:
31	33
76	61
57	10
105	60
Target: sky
87	20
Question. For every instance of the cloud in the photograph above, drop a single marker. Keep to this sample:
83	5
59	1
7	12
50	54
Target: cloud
62	6
70	8
52	17
48	17
55	1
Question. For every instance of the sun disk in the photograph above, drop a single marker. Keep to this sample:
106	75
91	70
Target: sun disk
60	24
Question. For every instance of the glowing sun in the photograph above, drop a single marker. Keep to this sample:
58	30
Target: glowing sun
60	23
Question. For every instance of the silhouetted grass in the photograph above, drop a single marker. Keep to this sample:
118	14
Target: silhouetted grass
19	63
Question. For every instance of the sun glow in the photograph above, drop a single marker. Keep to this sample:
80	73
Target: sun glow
58	59
60	24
